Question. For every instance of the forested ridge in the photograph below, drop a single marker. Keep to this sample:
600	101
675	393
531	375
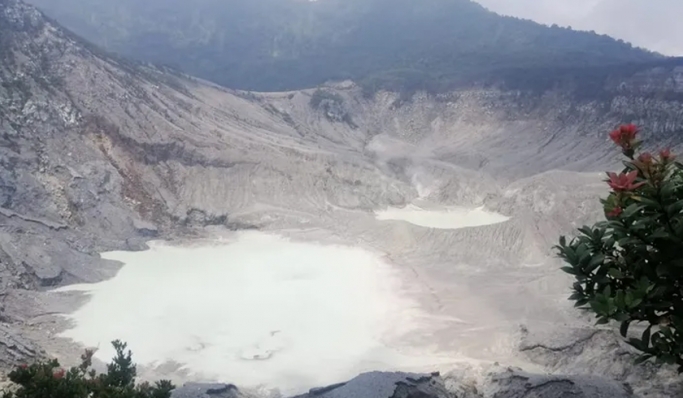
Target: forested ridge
401	45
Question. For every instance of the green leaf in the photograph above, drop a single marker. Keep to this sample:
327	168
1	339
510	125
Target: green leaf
581	303
629	241
658	342
621	317
616	273
620	299
628	299
584	256
624	328
595	262
586	231
648	202
635	343
576	296
569	255
631	210
658	292
644	285
675	208
659	234
667	189
635	303
608	291
599	307
645	339
582	250
569	270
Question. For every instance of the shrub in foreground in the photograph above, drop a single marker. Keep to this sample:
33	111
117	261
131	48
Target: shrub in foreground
49	380
629	268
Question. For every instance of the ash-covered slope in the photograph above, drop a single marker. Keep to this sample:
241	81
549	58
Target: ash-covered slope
100	154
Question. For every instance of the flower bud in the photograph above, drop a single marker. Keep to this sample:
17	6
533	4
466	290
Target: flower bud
666	155
616	212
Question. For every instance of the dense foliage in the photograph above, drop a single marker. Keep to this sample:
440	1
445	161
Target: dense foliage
49	380
629	267
403	45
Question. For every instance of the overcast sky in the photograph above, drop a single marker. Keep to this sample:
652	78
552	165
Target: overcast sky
654	24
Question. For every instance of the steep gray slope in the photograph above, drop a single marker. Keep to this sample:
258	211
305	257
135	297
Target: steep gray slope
99	154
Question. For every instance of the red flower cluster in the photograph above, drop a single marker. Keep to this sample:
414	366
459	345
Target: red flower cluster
625	136
616	212
624	182
59	373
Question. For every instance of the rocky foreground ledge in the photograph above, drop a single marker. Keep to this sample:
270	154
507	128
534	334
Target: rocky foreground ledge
507	384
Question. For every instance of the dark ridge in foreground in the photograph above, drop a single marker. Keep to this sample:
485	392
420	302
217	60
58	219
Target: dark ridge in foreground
506	384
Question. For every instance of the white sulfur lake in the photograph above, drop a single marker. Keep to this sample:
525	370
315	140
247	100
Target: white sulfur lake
259	310
449	218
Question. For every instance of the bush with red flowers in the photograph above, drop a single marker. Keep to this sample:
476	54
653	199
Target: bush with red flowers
49	380
629	268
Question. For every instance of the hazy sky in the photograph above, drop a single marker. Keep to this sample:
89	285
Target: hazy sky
654	24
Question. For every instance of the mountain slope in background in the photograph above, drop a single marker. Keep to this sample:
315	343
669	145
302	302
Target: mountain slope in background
404	45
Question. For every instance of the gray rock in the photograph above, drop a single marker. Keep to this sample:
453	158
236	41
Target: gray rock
506	384
517	384
14	349
136	244
509	383
582	351
385	385
145	229
197	390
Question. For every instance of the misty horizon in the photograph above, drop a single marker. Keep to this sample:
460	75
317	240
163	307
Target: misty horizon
653	27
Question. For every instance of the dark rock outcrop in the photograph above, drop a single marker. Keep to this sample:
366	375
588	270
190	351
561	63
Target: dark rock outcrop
506	384
15	349
196	390
516	384
385	385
